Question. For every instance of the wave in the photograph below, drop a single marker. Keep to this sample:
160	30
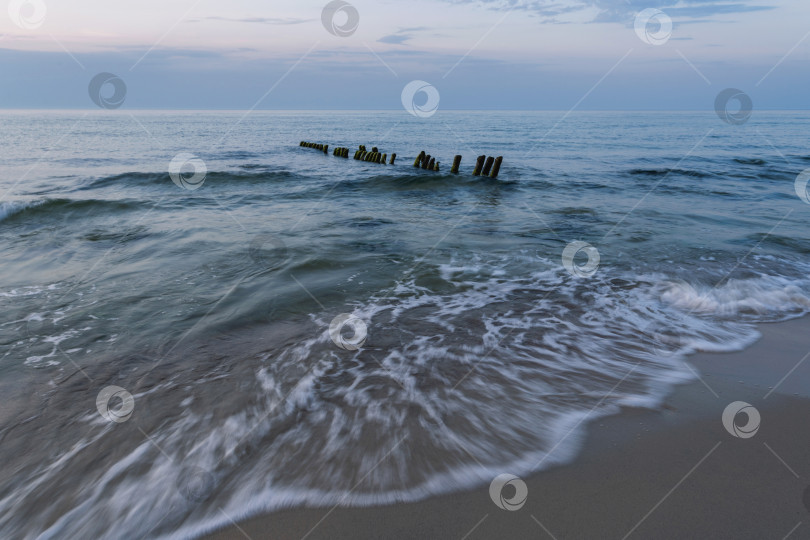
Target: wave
667	172
483	372
139	179
12	208
750	161
420	181
16	210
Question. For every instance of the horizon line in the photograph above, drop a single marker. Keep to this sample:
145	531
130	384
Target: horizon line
164	109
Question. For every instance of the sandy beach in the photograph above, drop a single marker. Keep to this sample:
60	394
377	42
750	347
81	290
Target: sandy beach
669	473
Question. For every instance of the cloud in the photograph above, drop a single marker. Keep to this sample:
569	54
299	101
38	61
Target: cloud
713	9
256	20
396	39
402	35
619	10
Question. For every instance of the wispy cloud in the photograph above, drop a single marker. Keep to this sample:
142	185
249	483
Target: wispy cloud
396	39
709	10
620	10
402	35
256	20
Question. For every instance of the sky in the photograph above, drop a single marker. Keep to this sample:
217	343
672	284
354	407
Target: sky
483	54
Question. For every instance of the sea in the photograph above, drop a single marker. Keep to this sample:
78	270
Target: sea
203	320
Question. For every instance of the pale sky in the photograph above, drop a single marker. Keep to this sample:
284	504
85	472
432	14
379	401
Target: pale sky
486	54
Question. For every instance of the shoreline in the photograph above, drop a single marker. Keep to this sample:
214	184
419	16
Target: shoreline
670	472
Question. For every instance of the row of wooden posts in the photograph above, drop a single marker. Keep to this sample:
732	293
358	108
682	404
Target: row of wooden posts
375	156
426	162
322	147
484	166
487	166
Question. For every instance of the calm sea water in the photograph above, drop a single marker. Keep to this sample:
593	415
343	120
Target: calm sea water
483	354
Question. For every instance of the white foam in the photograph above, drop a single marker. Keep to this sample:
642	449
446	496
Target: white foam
760	296
502	375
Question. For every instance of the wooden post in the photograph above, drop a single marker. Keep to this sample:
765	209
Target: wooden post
426	161
478	165
384	159
418	159
456	164
436	168
393	157
326	149
497	167
487	166
432	165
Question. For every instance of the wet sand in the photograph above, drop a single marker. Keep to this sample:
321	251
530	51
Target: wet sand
671	473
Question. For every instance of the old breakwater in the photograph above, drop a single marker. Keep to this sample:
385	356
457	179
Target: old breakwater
485	165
